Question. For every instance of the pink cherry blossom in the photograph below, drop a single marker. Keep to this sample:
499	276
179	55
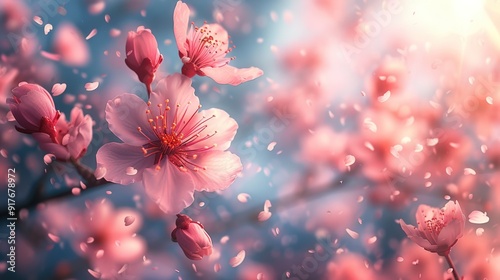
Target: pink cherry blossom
143	56
175	148
34	110
192	237
203	51
437	229
73	138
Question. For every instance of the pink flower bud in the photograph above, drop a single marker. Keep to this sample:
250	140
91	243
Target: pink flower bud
34	110
193	239
143	56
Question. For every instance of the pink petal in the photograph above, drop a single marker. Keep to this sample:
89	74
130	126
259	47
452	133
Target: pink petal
71	46
478	217
221	169
231	75
238	259
125	114
415	236
91	34
178	90
117	157
58	89
222	127
449	234
181	22
91	86
169	187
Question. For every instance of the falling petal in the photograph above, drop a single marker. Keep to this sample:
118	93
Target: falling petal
264	216
349	160
91	86
58	89
271	145
75	191
479	231
91	34
478	217
48	158
95	274
38	20
54	238
129	220
469	171
47	28
243	197
131	171
384	97
124	267
238	259
99	254
352	233
368	123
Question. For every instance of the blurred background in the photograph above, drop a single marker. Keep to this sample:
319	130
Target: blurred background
366	110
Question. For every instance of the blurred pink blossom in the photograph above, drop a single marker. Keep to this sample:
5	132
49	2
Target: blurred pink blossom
203	51
192	237
437	229
106	240
169	145
70	45
143	56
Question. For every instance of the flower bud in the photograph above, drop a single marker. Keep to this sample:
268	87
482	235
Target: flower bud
143	56
193	239
34	110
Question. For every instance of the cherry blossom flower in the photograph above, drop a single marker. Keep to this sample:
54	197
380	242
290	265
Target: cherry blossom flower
72	138
143	56
203	51
171	146
192	237
437	229
36	114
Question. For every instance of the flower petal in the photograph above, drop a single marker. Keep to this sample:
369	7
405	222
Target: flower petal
169	187
415	235
221	169
449	234
220	125
231	75
117	157
181	22
125	114
177	89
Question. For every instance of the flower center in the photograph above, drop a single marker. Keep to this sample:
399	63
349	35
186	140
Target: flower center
175	137
434	223
204	49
